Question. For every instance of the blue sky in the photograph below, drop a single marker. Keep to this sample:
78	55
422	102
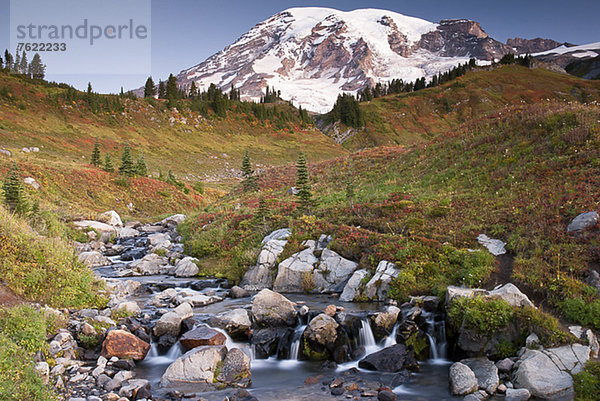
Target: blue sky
185	32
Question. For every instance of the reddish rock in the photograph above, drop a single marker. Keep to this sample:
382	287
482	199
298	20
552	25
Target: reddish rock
200	336
124	345
331	310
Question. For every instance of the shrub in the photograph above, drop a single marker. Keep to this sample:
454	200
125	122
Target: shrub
582	312
486	315
546	327
587	382
25	326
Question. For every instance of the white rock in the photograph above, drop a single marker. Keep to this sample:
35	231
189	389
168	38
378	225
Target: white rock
186	267
353	285
494	246
293	271
93	259
31	181
462	379
379	284
111	218
333	272
128	232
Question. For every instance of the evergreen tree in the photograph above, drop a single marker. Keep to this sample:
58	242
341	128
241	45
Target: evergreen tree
96	154
16	65
193	94
36	68
14	193
1	63
127	167
161	176
302	184
149	89
89	88
162	92
171	180
23	65
263	213
249	183
172	91
8	60
108	164
140	167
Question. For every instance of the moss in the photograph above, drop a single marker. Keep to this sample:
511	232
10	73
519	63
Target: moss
313	355
420	344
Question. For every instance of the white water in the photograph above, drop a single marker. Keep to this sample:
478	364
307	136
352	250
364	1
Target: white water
391	339
366	338
295	347
153	358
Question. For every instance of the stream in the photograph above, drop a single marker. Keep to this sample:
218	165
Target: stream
274	378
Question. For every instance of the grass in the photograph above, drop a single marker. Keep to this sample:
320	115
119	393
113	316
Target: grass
587	382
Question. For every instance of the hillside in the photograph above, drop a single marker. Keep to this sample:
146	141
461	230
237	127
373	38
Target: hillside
198	146
419	117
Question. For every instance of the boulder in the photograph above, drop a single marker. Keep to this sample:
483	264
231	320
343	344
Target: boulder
93	259
121	344
186	267
124	288
517	394
259	276
379	284
320	337
494	246
486	373
235	322
462	379
271	309
106	231
151	265
202	335
511	294
173	221
111	218
130	307
353	285
238	292
235	369
133	388
128	232
265	341
195	366
383	322
32	182
159	241
197	300
583	222
390	359
281	234
295	273
5	152
170	322
333	272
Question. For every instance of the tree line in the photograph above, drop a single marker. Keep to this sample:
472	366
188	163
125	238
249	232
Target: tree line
19	64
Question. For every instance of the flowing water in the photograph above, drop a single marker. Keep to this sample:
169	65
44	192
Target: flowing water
274	378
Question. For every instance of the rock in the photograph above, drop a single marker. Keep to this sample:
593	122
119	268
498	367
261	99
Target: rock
266	340
173	221
31	181
128	232
186	267
130	307
271	309
462	379
122	344
151	265
43	369
159	241
295	274
118	379
519	394
5	152
539	374
170	322
383	322
337	391
505	365
592	342
106	231
133	387
198	300
477	396
511	294
353	285
124	288
93	259
429	303
259	276
494	246
330	310
333	272
379	284
238	292
196	366
88	329
202	335
320	337
532	341
386	395
390	359
236	369
486	373
583	222
235	322
111	218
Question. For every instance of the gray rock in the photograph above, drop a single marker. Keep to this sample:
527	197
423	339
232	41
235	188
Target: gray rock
532	341
505	365
196	366
332	272
383	322
519	394
494	246
128	232
542	377
106	231
281	234
159	241
235	322
294	271
111	218
5	152
173	221
43	369
170	322
351	288
271	309
477	396
259	276
379	284
511	294
32	182
186	267
132	387
583	222
93	259
238	292
130	307
321	333
197	300
486	373
236	369
151	265
462	379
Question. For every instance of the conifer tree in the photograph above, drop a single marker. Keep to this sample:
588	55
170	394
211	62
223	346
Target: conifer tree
193	94
149	89
140	167
14	193
23	65
16	64
37	69
96	154
108	164
249	183
171	180
127	167
302	184
262	213
8	60
172	91
162	92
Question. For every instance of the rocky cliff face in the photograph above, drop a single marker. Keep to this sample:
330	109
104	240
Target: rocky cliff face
531	46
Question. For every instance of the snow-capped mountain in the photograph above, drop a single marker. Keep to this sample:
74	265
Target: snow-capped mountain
313	54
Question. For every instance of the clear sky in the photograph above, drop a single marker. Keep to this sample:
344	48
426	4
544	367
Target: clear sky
186	32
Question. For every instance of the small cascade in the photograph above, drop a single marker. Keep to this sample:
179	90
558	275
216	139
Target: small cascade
366	337
295	347
175	351
154	358
153	353
436	333
433	350
391	339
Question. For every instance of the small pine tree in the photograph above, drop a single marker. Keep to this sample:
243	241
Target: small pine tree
14	193
127	167
96	155
161	176
171	180
249	183
108	164
149	88
162	91
140	167
302	184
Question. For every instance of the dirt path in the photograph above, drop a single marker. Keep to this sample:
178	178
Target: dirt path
8	298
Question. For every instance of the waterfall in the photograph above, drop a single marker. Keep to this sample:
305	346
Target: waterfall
436	333
391	339
175	351
295	347
366	337
154	358
153	353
